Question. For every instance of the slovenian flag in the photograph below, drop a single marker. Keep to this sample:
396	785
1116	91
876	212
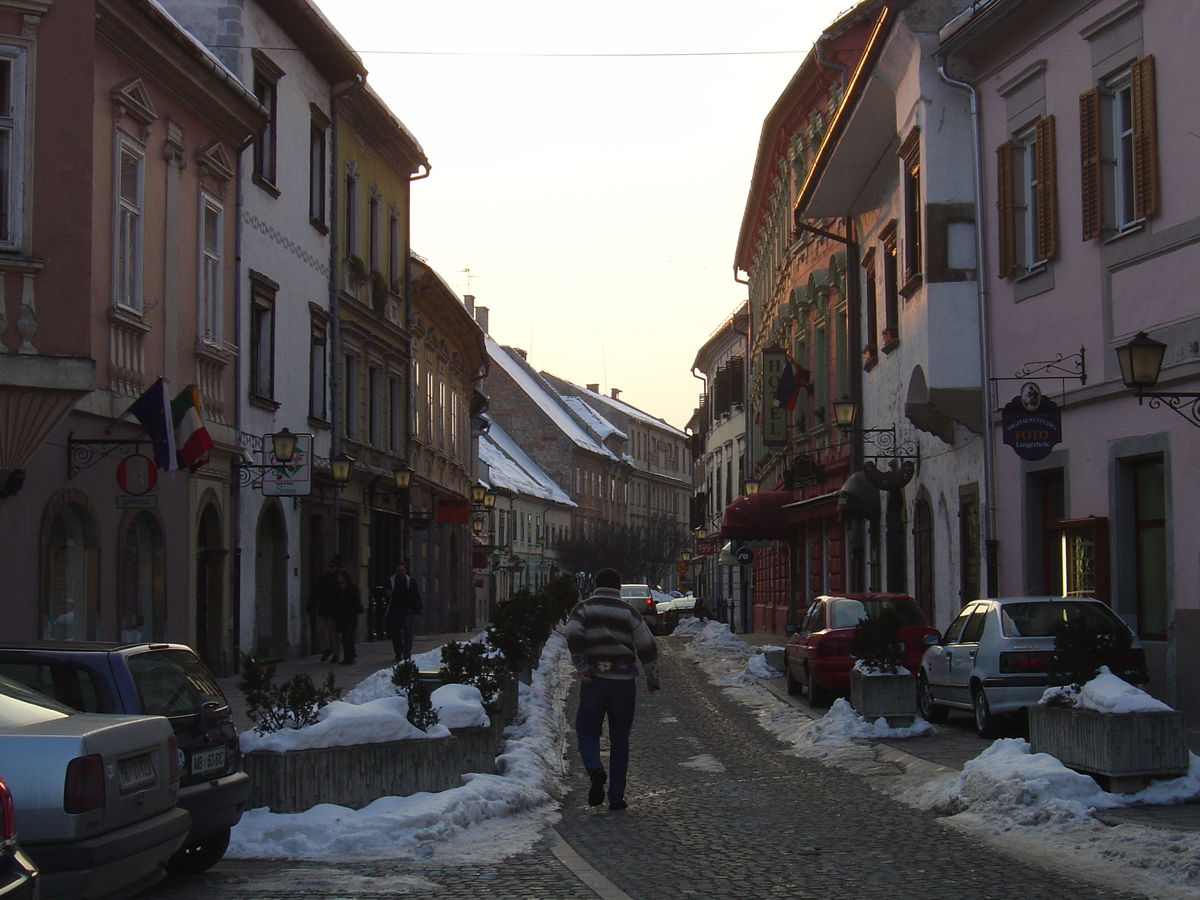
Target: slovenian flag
191	437
793	377
154	412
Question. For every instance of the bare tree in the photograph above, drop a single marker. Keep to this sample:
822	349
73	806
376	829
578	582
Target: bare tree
637	551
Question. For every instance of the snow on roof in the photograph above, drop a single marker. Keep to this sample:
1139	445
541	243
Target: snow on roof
604	429
550	403
594	399
512	469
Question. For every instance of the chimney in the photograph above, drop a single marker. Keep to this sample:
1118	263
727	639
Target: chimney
616	393
594	388
469	301
481	317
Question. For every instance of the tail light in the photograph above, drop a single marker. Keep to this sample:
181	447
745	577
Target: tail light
1025	662
84	790
830	646
8	813
176	760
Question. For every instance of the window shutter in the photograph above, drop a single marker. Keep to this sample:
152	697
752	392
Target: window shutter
1089	152
1004	203
1046	226
1145	138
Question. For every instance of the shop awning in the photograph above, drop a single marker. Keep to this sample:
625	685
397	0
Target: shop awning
759	517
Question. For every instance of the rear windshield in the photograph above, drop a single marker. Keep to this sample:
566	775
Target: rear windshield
173	682
846	613
20	705
1039	619
635	590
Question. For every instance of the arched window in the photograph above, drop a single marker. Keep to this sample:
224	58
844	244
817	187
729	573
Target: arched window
142	581
69	611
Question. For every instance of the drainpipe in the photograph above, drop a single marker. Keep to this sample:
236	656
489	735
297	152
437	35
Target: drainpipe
235	506
842	71
991	543
335	331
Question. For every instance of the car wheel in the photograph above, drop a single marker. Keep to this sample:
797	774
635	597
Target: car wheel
931	711
818	695
985	722
192	859
794	685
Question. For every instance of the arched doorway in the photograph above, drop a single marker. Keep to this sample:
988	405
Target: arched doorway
142	580
896	539
210	594
270	584
70	599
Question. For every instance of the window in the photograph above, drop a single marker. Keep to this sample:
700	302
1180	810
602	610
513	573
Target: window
262	336
317	168
351	211
1150	534
318	406
143	598
394	260
12	146
71	567
1119	149
212	242
870	307
374	231
910	153
350	398
1076	557
130	174
266	89
395	413
1027	199
891	290
374	407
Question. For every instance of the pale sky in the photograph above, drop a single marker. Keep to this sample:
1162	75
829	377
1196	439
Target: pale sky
596	200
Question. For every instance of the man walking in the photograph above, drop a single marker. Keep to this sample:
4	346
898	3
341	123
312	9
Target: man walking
404	602
607	637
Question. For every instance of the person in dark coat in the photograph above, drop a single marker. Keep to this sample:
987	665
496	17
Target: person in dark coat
349	606
323	605
404	602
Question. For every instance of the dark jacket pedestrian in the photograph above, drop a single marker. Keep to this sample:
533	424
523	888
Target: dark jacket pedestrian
349	605
322	604
403	602
608	638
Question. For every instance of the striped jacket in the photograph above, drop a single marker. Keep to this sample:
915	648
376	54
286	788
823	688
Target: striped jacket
607	637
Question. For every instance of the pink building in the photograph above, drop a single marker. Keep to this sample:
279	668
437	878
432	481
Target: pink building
118	264
1091	224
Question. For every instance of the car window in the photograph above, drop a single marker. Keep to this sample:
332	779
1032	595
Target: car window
976	625
68	684
173	682
904	607
21	705
846	613
1041	618
954	632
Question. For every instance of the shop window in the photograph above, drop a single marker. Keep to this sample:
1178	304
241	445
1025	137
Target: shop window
70	576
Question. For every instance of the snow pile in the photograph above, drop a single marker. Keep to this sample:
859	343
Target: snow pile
340	724
459	706
1105	693
498	814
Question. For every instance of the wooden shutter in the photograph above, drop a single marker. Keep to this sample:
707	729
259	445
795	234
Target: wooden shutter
1090	171
1145	138
1004	203
1045	229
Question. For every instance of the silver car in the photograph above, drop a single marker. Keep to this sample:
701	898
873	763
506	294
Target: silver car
995	657
95	794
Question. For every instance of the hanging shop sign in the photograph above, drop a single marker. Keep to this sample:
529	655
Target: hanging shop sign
1032	423
453	511
706	546
774	418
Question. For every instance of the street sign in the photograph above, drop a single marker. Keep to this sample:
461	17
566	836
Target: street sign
137	474
682	568
290	479
744	556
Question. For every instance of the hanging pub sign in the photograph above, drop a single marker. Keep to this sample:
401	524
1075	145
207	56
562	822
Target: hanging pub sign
774	418
706	546
453	511
1032	423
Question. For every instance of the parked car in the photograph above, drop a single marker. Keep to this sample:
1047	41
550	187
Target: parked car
995	658
666	617
18	874
817	656
96	794
155	679
641	598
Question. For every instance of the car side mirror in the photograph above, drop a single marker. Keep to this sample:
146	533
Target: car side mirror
932	640
791	628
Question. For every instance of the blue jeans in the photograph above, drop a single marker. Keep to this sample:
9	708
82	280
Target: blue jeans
400	630
615	698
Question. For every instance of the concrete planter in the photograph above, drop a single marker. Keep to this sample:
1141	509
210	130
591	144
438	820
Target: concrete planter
1123	752
884	695
354	776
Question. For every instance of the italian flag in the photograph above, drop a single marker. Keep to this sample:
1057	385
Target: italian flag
191	437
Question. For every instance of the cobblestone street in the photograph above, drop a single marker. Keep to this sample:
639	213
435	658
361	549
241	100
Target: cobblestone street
717	810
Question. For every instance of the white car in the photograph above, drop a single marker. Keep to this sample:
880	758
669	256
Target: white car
995	657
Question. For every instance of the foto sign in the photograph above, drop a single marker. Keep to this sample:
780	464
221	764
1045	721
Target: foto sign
1032	423
290	479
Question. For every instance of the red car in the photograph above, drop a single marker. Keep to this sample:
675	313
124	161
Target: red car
818	649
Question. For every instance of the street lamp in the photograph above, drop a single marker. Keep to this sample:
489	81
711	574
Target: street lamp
403	476
1141	362
284	445
686	556
701	533
845	412
478	491
750	486
477	526
341	466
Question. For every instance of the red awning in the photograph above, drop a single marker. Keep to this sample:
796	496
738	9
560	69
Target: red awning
759	517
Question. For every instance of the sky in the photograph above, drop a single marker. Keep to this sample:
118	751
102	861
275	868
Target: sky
591	202
1028	803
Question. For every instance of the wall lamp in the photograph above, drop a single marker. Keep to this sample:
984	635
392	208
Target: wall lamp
480	494
701	533
283	448
750	486
341	466
902	457
1141	362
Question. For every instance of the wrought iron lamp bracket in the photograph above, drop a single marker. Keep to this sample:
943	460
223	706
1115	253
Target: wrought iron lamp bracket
1185	403
83	454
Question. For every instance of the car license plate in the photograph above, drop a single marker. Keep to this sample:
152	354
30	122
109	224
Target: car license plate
208	761
136	772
